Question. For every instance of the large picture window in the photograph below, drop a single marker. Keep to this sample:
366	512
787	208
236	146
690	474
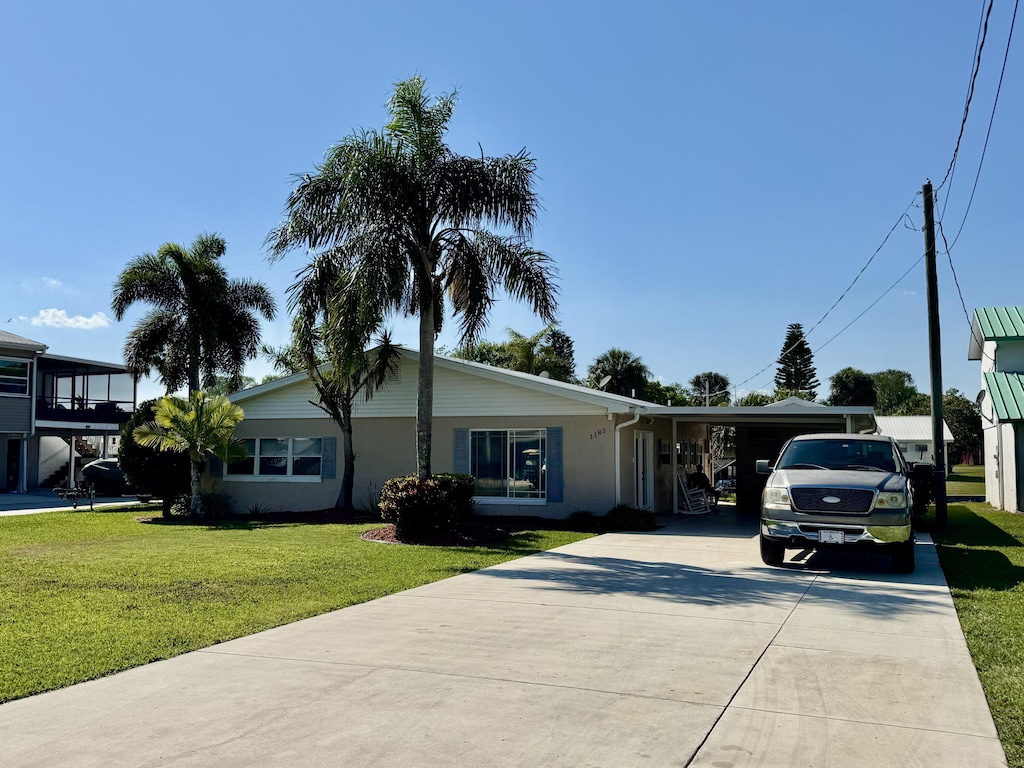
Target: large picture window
13	376
509	463
279	457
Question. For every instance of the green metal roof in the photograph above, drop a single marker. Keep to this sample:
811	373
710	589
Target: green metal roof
1001	322
1007	393
995	324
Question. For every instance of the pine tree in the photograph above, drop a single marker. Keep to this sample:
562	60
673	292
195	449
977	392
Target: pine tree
796	364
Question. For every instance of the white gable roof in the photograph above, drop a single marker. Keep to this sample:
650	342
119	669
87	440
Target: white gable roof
461	388
910	428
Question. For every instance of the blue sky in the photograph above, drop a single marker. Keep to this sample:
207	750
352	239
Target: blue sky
710	172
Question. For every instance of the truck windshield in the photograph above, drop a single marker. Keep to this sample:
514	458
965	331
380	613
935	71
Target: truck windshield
865	455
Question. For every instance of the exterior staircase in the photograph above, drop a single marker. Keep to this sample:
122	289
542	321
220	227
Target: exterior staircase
59	477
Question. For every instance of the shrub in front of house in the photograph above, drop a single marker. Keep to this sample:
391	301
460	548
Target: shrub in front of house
416	507
216	506
623	517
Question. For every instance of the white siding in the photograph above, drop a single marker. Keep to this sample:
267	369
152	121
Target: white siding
456	393
1010	356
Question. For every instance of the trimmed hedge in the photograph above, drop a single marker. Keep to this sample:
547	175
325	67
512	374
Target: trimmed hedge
441	503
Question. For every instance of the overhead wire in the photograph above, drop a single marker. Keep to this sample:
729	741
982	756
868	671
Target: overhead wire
903	216
979	46
974	187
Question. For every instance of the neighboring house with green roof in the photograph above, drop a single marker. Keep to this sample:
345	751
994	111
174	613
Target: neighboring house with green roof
997	340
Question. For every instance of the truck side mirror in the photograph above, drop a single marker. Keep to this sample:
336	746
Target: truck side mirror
763	467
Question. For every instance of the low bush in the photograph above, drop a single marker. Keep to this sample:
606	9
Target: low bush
582	520
623	517
215	505
441	503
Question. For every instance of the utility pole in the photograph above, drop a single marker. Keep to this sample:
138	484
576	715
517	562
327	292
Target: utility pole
935	358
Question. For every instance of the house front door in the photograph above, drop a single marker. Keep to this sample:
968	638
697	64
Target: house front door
643	463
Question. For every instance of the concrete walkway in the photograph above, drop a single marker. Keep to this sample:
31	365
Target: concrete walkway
676	648
45	500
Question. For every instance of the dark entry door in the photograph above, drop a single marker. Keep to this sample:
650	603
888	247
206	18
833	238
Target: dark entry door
13	465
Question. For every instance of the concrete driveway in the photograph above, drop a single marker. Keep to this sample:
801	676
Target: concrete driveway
674	648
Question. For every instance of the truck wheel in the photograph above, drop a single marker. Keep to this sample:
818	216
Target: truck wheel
903	557
772	552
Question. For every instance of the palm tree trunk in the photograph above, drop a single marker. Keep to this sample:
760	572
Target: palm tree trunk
425	391
195	507
349	474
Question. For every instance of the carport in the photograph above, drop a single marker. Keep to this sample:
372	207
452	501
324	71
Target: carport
761	432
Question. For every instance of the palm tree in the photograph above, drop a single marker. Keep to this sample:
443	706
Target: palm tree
333	351
627	373
417	228
200	426
201	323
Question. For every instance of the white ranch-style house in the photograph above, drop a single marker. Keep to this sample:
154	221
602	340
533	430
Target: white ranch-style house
535	446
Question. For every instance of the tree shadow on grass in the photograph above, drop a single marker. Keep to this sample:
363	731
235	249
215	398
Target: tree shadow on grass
970	552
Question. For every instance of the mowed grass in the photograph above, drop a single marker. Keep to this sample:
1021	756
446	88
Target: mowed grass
982	556
966	480
84	594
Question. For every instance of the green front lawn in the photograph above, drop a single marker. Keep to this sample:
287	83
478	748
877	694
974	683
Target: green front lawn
966	480
86	594
982	556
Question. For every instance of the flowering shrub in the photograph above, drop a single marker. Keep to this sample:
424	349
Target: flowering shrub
415	506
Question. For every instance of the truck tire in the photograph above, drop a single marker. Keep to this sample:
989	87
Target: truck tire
772	552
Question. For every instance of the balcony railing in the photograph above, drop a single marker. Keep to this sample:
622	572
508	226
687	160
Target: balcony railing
81	410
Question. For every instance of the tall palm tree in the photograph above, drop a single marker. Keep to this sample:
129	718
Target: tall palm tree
200	426
417	228
201	323
627	373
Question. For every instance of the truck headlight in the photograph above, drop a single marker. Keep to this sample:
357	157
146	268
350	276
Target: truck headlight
891	501
776	495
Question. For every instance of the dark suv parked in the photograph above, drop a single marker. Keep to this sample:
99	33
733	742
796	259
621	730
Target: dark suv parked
838	491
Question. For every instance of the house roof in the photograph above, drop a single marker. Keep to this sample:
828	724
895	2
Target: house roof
1007	393
911	428
614	403
794	411
995	324
14	341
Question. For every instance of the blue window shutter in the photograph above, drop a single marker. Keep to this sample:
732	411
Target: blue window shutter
460	452
329	463
214	466
555	481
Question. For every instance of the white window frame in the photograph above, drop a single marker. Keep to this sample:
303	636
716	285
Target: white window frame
510	500
256	477
28	376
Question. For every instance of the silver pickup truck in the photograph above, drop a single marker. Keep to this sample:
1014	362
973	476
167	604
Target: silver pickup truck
838	490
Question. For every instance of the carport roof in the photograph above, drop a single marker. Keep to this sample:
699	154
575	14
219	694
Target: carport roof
777	413
1007	393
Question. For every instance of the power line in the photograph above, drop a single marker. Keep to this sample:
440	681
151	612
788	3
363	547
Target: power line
974	188
873	303
980	45
892	229
988	134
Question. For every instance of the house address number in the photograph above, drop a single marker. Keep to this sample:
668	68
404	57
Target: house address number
598	433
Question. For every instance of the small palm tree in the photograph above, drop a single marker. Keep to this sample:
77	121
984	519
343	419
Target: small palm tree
201	323
200	426
416	227
330	340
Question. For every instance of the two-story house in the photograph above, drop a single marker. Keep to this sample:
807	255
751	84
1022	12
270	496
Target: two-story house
55	411
997	340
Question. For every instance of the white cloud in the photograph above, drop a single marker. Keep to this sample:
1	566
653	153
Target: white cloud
58	318
46	285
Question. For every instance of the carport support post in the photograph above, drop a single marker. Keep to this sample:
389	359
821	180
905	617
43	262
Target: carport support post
935	357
